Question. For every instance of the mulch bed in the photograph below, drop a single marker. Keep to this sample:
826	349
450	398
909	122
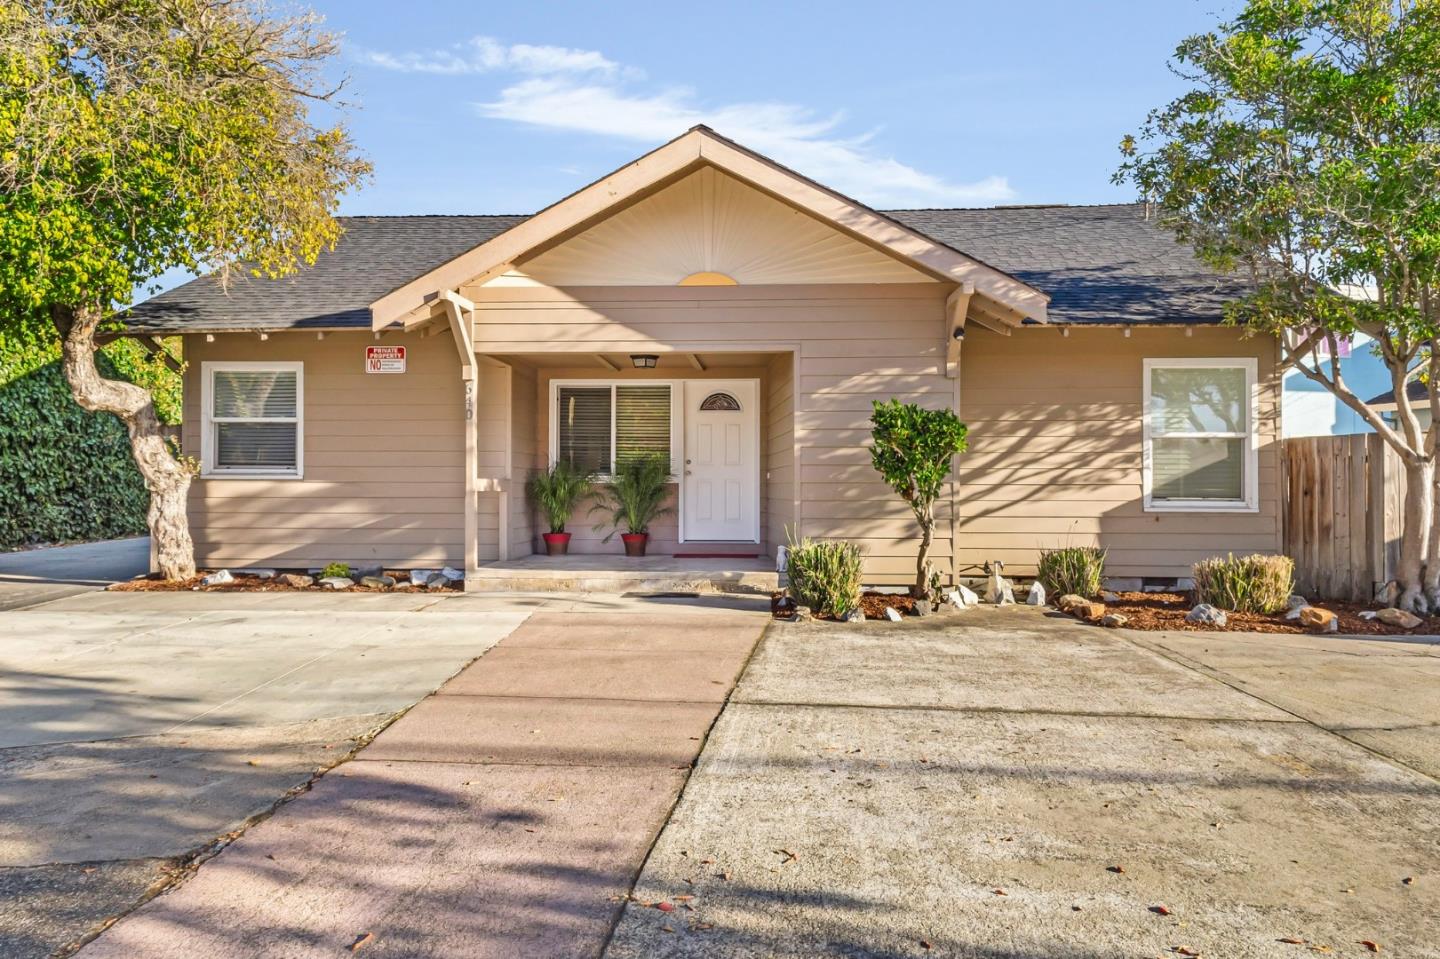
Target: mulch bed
872	604
245	583
1167	611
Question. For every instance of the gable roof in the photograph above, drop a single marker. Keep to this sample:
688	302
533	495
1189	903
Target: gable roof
1100	264
1416	390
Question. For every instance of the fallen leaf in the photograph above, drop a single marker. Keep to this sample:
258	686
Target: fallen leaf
1116	869
789	856
1185	951
1160	910
682	898
1370	944
362	940
1408	880
88	870
665	906
1291	940
926	944
1074	908
1000	892
725	876
667	928
707	862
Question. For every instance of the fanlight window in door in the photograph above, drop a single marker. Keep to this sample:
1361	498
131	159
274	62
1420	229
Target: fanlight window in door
722	402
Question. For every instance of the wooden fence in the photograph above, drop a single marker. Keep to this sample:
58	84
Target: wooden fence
1343	499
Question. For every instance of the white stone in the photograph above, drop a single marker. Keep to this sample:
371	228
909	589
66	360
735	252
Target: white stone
337	582
854	616
1207	614
1108	597
893	614
438	581
998	590
218	578
782	559
1365	614
1037	594
377	582
1296	601
453	574
421	576
261	573
967	594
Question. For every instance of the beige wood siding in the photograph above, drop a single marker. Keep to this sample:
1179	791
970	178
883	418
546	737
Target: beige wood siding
529	455
1055	450
384	459
779	448
849	344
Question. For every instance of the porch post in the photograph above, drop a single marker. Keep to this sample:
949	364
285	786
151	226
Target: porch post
460	326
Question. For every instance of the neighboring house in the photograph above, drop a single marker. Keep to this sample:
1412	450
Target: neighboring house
1312	410
708	304
1419	396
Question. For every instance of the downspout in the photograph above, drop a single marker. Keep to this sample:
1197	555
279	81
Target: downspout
464	345
957	308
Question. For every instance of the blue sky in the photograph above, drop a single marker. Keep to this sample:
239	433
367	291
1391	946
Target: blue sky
468	108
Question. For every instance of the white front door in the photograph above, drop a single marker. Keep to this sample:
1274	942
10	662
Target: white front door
722	461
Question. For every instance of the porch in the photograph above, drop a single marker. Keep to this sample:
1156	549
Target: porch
622	574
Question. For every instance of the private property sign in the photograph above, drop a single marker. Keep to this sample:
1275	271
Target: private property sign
384	359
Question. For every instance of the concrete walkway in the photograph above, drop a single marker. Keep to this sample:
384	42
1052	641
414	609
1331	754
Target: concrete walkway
33	576
506	815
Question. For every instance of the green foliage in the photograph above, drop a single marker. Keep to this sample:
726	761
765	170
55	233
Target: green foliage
1072	569
558	491
824	574
1307	155
1245	584
914	449
65	474
335	569
635	495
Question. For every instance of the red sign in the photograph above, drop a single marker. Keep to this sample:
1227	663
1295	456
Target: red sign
384	359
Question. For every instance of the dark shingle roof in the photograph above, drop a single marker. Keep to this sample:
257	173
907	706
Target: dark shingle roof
1100	264
1417	391
374	256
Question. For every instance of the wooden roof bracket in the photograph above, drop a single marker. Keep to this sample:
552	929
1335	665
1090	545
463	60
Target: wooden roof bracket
957	308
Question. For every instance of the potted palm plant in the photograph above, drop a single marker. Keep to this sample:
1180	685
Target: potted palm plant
634	497
557	492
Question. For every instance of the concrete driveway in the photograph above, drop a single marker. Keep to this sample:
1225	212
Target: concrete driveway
137	728
1007	785
36	576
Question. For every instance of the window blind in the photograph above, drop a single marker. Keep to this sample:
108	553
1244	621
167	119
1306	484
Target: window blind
255	418
1199	427
583	422
642	422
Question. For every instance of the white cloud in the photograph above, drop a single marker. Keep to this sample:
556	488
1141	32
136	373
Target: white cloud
790	134
483	54
562	88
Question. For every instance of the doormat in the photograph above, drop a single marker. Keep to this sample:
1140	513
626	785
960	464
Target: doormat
715	555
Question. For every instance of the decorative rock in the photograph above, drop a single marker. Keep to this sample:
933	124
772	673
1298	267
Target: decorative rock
1293	613
218	578
337	582
1207	615
1037	594
360	572
998	590
421	576
1314	616
377	582
1391	616
893	614
297	580
855	615
438	581
922	607
1109	597
1090	611
1368	614
452	574
1296	601
261	573
1068	600
967	595
1114	620
403	585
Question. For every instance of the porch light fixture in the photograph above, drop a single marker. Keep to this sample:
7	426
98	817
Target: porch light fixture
644	361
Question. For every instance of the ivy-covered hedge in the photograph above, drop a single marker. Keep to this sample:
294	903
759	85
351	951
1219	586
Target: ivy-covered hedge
66	474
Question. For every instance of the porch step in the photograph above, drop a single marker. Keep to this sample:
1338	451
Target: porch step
543	574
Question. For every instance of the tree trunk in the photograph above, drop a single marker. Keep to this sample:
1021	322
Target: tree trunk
921	589
1416	535
166	478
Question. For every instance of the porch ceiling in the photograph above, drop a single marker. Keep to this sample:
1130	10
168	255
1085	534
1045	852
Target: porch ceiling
672	363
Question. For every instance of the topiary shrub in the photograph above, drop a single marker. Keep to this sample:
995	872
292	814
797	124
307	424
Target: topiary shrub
825	575
1073	569
1245	584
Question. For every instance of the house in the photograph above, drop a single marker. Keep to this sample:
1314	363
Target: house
1312	410
1417	391
388	404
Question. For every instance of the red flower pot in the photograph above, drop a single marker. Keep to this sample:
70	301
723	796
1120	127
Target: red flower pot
556	544
635	543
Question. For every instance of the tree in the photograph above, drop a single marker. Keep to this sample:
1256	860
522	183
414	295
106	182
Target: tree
914	451
138	136
1306	158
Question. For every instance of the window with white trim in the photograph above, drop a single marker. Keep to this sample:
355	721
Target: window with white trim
597	425
252	420
1200	449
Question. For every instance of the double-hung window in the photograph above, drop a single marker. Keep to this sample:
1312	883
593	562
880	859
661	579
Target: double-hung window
252	419
597	426
1200	449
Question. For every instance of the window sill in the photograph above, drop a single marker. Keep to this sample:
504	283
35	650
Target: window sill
1193	506
241	475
